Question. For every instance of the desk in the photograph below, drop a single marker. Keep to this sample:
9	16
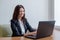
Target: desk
55	36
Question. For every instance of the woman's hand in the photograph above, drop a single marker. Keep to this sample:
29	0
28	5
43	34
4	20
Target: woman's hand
30	33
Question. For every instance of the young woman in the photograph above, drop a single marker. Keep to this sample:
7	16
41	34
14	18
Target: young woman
19	23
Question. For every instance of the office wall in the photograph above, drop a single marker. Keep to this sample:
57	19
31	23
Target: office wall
51	9
36	10
57	13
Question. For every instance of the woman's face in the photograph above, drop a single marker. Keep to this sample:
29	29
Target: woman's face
21	12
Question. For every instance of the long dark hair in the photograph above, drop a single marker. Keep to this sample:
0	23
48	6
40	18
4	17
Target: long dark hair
16	12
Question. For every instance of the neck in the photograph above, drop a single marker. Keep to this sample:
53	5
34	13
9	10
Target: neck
20	18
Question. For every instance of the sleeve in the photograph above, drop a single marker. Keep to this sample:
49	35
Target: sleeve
29	27
14	29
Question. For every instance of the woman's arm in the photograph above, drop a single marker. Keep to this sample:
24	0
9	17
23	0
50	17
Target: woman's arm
32	31
29	27
14	29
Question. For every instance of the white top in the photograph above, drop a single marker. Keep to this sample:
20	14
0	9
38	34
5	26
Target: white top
22	27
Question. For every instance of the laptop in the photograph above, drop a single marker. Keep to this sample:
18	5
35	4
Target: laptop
45	29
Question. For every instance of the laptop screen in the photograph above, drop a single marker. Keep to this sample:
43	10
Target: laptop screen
45	28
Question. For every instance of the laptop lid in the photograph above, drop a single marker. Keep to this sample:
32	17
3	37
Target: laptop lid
45	28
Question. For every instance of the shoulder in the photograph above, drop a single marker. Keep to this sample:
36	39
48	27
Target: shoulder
13	21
